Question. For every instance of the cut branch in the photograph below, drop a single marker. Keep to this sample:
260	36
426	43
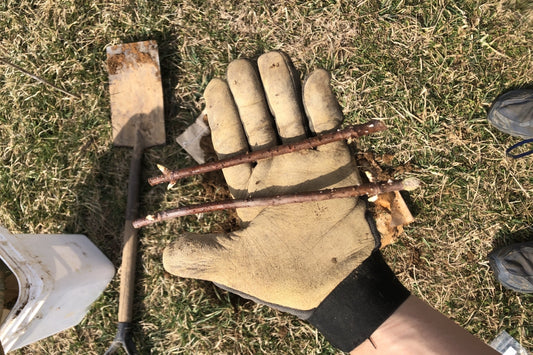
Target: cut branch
349	132
321	195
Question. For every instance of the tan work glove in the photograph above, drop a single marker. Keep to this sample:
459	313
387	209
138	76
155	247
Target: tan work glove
293	256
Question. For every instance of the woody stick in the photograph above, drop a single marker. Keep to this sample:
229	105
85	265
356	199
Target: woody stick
349	132
321	195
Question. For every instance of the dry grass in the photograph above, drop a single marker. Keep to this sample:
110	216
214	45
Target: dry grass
431	68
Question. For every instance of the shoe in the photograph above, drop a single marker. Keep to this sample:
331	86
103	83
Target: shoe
513	266
512	113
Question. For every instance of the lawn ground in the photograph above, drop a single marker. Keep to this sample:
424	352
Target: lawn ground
431	68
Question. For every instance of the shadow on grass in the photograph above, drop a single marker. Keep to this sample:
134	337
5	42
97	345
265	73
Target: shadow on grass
504	237
100	215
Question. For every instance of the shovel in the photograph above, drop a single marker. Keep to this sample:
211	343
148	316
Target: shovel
138	121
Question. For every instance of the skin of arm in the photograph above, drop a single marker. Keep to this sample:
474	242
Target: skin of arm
417	328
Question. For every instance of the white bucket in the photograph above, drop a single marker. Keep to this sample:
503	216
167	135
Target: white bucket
59	277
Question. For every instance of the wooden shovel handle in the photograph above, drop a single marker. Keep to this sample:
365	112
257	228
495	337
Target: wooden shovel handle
129	248
127	276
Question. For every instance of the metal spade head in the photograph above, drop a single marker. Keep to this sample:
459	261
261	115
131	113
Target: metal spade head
136	94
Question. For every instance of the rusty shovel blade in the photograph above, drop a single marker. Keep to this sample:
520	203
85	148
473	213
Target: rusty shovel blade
136	93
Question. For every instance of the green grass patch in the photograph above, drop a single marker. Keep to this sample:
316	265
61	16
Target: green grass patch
430	68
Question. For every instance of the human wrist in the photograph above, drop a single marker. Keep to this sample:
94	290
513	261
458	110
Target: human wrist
416	327
359	304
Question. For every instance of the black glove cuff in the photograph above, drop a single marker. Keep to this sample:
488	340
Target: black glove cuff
359	304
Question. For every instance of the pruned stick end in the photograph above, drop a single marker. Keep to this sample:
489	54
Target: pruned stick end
143	222
377	125
411	184
156	180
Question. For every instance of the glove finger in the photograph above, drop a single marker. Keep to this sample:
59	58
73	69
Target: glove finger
227	134
320	104
325	114
282	89
250	99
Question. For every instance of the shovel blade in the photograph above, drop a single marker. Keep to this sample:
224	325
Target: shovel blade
136	94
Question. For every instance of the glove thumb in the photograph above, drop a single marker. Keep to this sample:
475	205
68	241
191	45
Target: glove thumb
206	257
198	256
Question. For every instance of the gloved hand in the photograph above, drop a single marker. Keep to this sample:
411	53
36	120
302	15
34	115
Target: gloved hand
292	257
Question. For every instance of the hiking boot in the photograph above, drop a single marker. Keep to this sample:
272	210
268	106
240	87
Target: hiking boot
512	113
513	266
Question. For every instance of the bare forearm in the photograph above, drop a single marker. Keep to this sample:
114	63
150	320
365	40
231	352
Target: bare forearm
416	328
